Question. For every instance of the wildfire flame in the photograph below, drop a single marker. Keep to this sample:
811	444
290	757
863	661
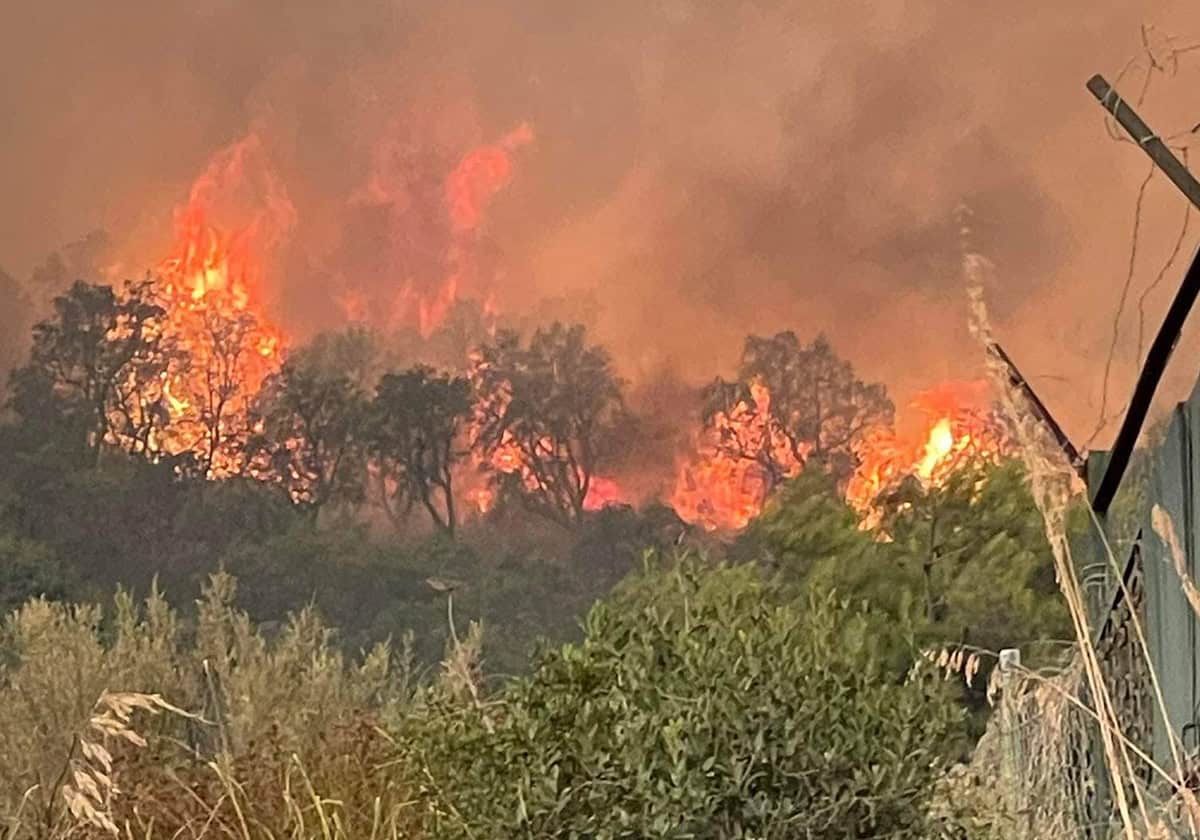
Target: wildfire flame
211	284
603	492
720	490
436	231
481	174
508	459
958	427
723	488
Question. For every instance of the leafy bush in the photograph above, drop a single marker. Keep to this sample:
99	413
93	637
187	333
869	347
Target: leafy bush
30	570
697	705
966	562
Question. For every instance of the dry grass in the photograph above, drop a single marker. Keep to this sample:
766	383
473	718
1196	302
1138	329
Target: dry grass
262	738
1043	800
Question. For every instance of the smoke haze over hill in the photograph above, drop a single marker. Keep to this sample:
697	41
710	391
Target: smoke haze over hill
698	171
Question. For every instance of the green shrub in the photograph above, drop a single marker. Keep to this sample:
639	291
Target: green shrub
30	570
697	705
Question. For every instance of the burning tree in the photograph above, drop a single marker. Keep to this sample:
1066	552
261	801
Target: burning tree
98	369
414	441
211	285
790	405
961	431
547	417
818	407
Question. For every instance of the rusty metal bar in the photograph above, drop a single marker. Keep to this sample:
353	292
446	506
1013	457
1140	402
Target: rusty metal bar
1150	142
1181	306
1018	381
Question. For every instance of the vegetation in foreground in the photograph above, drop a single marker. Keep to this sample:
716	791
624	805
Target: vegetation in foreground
702	701
737	698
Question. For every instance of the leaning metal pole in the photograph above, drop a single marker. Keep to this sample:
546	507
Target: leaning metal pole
1181	306
1018	381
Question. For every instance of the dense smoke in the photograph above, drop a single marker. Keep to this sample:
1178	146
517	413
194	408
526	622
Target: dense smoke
697	171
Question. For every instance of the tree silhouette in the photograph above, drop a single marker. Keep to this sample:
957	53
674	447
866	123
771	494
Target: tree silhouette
811	407
414	440
308	437
547	417
96	370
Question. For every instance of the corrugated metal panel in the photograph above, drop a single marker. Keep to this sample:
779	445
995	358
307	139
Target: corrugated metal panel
1170	623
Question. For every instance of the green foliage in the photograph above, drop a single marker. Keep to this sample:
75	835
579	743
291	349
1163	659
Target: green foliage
965	563
30	570
370	591
975	550
697	705
560	404
805	528
413	436
134	520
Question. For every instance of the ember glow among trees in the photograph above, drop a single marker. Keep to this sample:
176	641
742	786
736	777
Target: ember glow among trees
791	405
188	364
547	417
540	423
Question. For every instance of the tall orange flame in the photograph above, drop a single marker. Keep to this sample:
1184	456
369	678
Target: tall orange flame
437	221
723	491
958	427
469	189
211	285
479	176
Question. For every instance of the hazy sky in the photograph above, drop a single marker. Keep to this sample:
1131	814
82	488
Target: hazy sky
701	170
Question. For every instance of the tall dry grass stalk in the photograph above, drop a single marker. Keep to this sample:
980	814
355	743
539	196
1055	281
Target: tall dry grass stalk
274	715
1023	781
1053	482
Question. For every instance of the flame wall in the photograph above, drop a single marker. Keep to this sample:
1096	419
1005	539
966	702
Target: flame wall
700	170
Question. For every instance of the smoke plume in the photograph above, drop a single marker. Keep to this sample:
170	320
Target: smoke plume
694	171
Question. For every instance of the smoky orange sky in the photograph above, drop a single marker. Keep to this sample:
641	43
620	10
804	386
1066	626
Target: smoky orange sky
701	170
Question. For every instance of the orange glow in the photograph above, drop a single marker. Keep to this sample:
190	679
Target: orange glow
481	174
453	217
958	427
481	498
211	284
510	460
723	491
468	190
602	492
725	485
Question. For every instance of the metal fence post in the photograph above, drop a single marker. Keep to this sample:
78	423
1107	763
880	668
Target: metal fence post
1010	728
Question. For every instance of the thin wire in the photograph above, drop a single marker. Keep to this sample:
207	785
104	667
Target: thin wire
1152	61
1116	325
1162	273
